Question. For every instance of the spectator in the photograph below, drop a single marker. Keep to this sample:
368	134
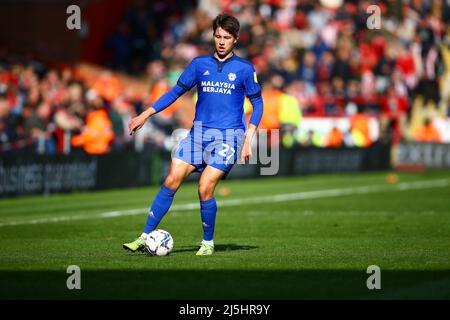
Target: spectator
119	44
97	135
307	70
37	127
271	94
107	86
360	127
427	132
290	116
335	138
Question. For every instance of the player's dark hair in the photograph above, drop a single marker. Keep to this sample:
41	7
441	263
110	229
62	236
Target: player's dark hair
228	23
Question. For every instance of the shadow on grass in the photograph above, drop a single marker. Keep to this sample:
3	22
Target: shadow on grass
217	248
225	284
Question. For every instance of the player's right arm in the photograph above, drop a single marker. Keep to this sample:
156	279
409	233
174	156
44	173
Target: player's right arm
137	122
185	83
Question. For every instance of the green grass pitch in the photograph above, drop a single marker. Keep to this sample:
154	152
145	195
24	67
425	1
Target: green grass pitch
305	237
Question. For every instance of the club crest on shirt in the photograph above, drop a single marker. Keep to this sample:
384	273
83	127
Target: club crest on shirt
232	76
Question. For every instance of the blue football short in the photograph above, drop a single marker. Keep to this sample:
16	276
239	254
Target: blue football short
218	148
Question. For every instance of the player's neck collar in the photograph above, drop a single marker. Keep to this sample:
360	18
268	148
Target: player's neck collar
226	60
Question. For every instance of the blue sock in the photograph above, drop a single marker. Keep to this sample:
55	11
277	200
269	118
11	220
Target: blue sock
209	210
160	206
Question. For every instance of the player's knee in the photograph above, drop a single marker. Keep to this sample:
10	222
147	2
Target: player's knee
205	190
173	181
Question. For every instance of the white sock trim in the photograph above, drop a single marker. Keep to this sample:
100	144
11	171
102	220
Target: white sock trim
208	242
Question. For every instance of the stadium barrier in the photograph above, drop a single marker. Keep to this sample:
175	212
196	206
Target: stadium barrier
320	160
27	174
421	155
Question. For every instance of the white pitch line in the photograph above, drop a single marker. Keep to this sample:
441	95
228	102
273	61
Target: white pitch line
329	193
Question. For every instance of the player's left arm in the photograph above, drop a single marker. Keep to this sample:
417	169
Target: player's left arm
253	92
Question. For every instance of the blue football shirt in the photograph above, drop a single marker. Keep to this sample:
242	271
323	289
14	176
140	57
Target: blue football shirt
222	87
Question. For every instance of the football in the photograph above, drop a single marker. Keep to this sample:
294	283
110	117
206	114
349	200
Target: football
158	243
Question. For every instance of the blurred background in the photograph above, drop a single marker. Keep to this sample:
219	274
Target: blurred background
344	97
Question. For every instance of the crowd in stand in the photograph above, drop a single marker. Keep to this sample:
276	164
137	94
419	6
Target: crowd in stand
312	61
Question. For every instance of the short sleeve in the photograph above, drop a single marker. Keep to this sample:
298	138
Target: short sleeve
188	78
252	87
